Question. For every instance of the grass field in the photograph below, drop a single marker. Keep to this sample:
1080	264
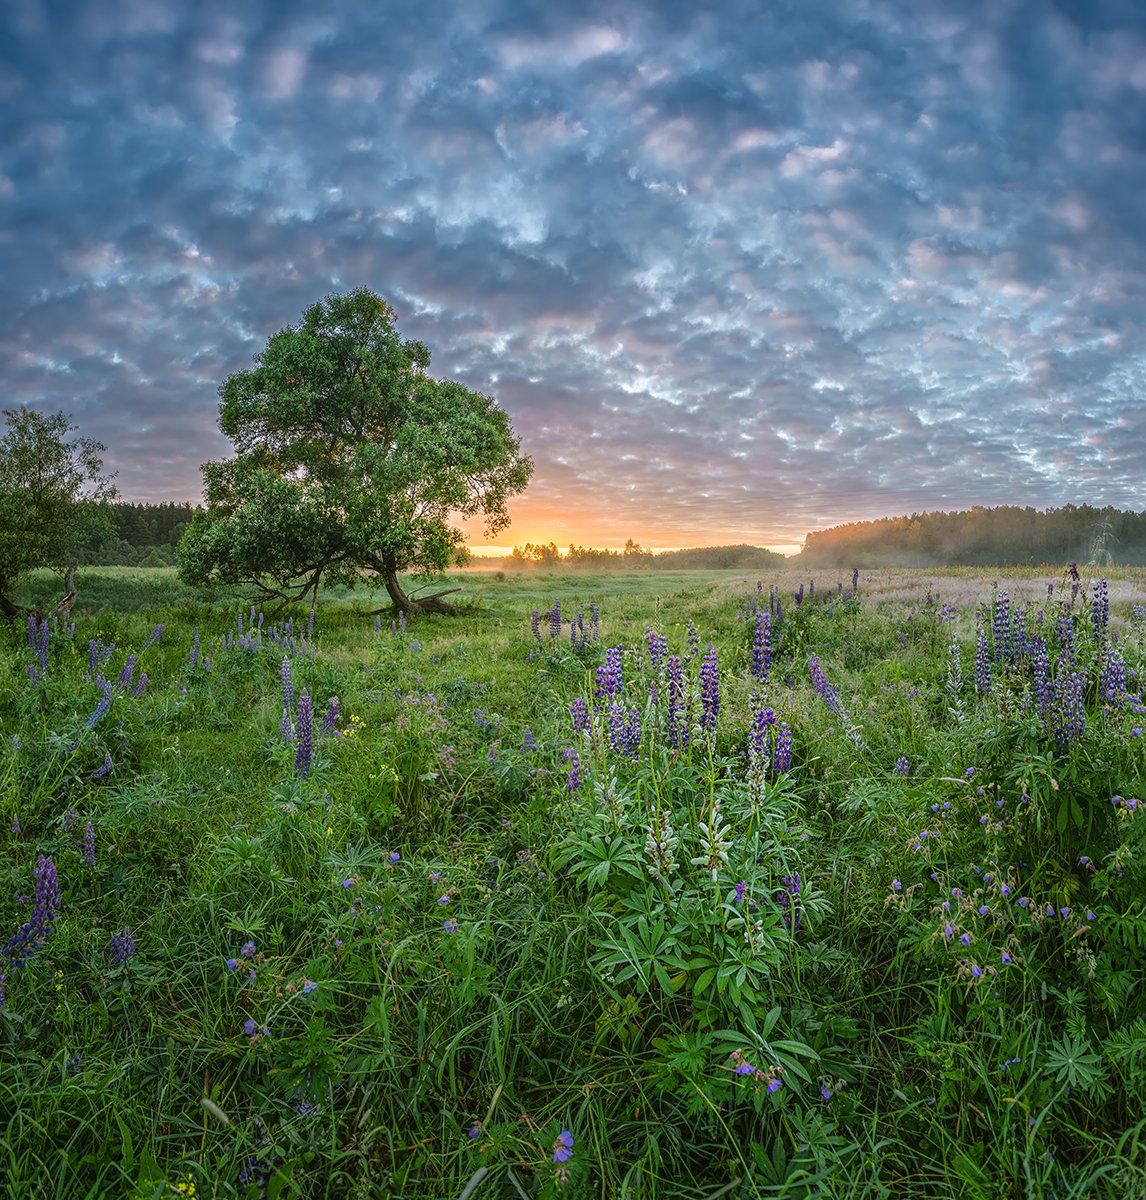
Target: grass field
852	904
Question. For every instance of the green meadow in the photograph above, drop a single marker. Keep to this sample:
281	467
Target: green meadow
698	886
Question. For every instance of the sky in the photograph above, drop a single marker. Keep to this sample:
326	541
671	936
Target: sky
735	271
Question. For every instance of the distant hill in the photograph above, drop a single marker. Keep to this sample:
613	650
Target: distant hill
999	537
720	558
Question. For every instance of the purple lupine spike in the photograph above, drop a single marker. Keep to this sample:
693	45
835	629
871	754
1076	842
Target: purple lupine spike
104	770
555	621
762	646
982	665
902	765
330	721
154	636
657	645
579	711
30	937
1001	626
855	580
709	690
127	675
1112	683
595	620
121	948
789	902
93	657
535	624
573	779
194	656
676	720
41	646
1100	610
610	678
401	622
286	729
90	844
305	730
33	674
1070	714
762	722
782	750
104	704
1044	691
141	685
287	685
824	689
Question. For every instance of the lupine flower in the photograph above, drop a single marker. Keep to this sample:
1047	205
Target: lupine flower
286	730
90	845
30	937
676	724
104	770
153	637
127	674
758	737
782	750
579	711
1001	626
902	766
982	665
305	729
141	685
609	676
563	1147
824	689
121	948
104	704
709	690
528	742
789	901
555	620
1070	713
658	648
287	684
330	720
1100	610
738	891
573	780
762	646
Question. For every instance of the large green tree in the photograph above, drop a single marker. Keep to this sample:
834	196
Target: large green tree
349	459
52	497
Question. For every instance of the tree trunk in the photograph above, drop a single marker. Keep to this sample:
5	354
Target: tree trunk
404	603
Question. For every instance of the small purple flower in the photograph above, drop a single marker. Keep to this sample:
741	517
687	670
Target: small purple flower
902	766
105	769
450	925
563	1147
983	910
579	711
964	939
232	964
738	897
825	1091
1024	902
122	948
1005	958
976	970
308	986
896	886
247	949
443	900
395	856
774	1085
90	844
474	1131
745	1068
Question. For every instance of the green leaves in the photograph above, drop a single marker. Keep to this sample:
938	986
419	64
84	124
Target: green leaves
348	458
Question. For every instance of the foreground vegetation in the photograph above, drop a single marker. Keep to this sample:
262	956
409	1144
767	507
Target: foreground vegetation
683	889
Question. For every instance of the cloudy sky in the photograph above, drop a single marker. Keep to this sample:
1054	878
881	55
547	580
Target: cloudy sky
736	271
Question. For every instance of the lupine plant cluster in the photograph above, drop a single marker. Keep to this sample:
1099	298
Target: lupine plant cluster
683	886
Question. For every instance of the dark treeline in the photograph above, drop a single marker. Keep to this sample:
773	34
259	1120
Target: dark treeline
997	537
633	557
140	535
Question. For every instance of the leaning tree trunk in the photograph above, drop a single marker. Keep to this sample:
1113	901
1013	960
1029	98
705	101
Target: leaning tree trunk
407	604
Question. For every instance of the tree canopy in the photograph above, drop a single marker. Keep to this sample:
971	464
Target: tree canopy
52	496
349	458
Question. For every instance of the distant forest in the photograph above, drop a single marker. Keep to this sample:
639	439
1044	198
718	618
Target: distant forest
633	557
143	535
998	537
